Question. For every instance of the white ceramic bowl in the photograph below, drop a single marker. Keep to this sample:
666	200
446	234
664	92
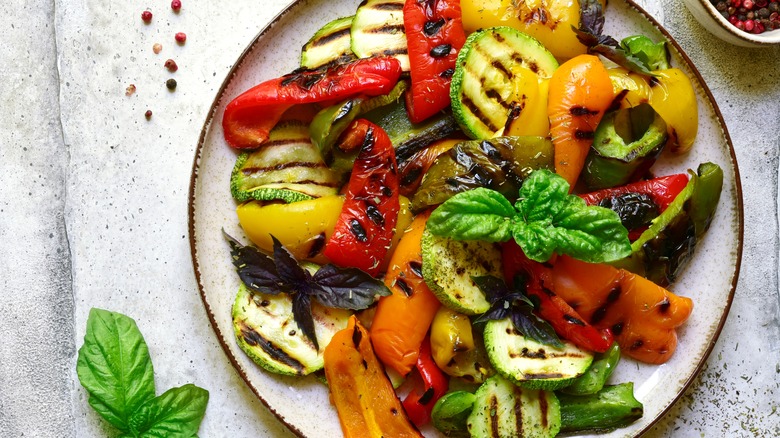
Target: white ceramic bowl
713	21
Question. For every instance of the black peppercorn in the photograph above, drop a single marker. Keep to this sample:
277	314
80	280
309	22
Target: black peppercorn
774	7
763	13
722	6
171	84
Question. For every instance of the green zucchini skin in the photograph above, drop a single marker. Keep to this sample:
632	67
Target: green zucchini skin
482	89
288	167
331	44
448	266
267	332
378	30
504	410
530	364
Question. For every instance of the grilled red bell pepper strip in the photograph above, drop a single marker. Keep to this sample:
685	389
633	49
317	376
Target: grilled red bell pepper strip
434	35
418	405
634	212
566	322
249	117
367	221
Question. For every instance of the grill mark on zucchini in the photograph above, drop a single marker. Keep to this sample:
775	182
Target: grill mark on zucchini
390	29
543	407
299	183
388	6
518	394
282	166
477	112
393	52
493	404
343	33
493	94
284	142
253	338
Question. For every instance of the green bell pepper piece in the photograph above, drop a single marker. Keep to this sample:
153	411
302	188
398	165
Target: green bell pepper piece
450	413
597	374
611	408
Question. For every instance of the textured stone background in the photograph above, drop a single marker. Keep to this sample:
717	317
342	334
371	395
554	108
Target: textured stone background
93	202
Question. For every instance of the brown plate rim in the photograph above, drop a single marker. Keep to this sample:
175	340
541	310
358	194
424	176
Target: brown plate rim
210	119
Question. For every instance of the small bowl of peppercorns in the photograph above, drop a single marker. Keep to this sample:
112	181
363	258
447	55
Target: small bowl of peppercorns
747	23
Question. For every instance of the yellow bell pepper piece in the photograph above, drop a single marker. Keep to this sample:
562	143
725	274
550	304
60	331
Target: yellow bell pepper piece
670	93
450	334
531	96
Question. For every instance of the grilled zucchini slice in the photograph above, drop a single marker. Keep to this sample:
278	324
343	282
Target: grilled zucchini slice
378	30
448	266
482	89
531	364
267	332
332	43
287	167
504	410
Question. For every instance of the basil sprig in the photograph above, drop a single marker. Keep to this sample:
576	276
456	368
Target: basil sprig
115	368
546	219
332	286
515	305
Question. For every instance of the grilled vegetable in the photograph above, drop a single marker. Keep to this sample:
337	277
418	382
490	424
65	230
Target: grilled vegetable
364	398
502	409
670	93
611	408
455	349
411	170
449	265
599	371
302	227
531	364
664	249
249	118
528	115
625	145
378	30
330	44
434	34
500	163
367	222
482	90
451	413
420	401
407	137
641	315
288	168
403	318
580	93
266	331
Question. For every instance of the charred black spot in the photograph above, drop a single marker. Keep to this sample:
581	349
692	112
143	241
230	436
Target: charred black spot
446	74
368	141
373	213
615	105
500	38
426	397
330	37
387	191
264	303
404	286
431	28
653	81
533	67
637	344
664	306
548	292
317	245
539	354
411	174
580	134
574	320
614	294
416	268
357	337
394	411
578	111
388	6
292	333
460	270
358	231
617	329
598	315
365	364
440	51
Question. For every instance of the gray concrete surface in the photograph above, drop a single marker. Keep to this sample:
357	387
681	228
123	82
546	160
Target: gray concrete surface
93	202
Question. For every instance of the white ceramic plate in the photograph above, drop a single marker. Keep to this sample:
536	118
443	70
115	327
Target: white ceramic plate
302	403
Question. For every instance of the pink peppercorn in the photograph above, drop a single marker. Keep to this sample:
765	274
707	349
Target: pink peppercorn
171	65
749	25
146	16
181	37
148	114
176	5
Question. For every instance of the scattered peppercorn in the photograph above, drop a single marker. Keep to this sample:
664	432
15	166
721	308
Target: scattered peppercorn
171	84
171	65
181	37
146	16
148	114
130	90
157	48
176	5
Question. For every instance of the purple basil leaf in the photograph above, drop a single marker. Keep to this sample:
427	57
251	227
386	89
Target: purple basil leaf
256	270
294	276
621	58
591	17
493	287
497	311
533	327
301	307
346	288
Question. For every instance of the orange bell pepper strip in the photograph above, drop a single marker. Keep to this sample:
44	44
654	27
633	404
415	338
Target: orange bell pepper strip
359	388
403	318
580	93
641	315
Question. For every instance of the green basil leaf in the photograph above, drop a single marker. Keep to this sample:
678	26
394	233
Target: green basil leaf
536	239
591	234
114	367
177	412
542	196
479	214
